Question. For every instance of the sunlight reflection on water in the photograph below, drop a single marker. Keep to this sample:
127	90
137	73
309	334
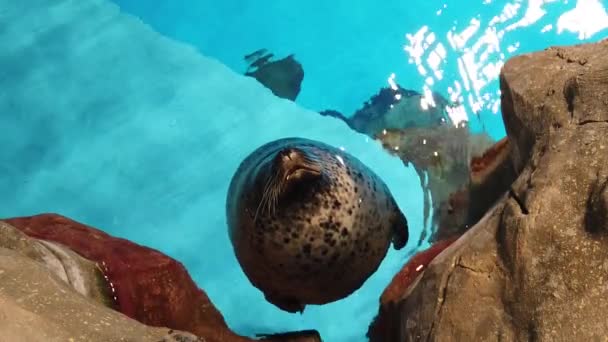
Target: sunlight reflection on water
481	49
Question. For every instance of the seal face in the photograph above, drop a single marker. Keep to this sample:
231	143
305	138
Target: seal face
309	223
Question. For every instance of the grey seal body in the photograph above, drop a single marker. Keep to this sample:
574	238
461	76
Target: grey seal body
309	223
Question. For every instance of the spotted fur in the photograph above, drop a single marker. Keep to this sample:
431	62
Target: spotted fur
322	240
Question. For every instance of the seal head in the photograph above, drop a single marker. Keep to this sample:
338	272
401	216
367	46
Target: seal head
310	223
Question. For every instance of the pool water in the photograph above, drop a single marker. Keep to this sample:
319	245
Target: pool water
350	49
132	118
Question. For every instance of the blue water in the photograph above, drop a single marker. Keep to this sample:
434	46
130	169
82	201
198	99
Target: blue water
113	121
349	49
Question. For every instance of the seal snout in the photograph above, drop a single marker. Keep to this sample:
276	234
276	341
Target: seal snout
296	164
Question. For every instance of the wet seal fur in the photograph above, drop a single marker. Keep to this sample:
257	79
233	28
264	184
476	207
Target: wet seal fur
309	223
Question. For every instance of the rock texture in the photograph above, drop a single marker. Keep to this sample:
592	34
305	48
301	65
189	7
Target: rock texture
81	274
535	267
490	176
147	285
386	325
137	281
40	301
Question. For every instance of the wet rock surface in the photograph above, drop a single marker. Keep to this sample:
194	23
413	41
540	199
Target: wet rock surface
146	285
490	176
385	326
83	275
535	267
38	304
64	265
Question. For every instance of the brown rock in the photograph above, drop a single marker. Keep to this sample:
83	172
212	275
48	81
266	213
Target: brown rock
83	275
535	267
452	215
385	326
490	176
149	286
548	90
42	301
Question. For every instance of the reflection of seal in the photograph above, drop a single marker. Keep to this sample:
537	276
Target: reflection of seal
283	77
310	223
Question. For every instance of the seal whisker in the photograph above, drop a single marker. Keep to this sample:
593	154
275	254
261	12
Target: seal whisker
270	200
264	200
276	191
311	161
273	190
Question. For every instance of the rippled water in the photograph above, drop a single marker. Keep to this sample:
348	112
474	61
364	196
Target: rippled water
465	60
349	50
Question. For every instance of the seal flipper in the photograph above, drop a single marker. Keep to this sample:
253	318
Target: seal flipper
290	305
400	231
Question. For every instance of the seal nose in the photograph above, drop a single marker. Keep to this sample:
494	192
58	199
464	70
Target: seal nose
289	160
296	164
289	156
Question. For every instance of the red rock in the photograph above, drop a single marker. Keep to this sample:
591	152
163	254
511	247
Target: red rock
383	325
404	278
482	166
490	176
149	286
452	215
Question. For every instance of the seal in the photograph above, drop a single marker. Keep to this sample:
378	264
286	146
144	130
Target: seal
310	223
